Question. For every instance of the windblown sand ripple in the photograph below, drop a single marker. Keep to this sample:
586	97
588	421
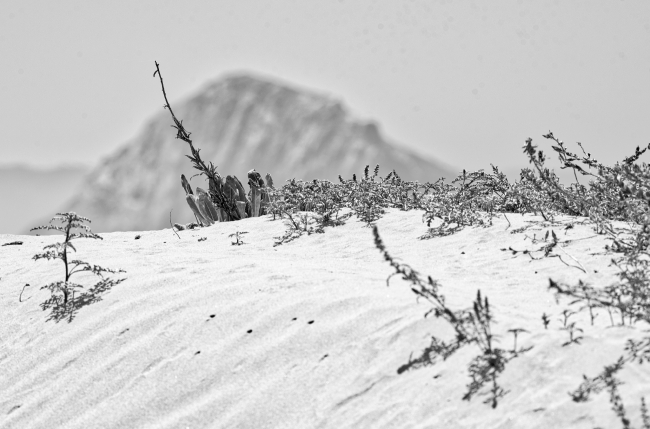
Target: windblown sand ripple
303	335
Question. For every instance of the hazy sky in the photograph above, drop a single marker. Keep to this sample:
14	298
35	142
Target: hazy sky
465	82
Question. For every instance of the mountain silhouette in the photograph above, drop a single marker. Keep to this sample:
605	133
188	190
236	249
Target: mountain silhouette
239	122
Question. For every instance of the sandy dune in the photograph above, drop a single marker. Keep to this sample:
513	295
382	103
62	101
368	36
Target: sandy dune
302	335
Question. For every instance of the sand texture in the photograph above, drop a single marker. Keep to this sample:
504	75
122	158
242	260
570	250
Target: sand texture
205	334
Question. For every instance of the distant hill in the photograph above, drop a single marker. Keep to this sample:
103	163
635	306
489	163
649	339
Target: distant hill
239	123
30	195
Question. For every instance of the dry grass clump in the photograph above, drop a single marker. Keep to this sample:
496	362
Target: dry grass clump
472	326
618	193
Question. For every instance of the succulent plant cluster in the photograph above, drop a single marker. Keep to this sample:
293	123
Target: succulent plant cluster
227	200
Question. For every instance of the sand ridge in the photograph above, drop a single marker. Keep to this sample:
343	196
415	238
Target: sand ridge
306	334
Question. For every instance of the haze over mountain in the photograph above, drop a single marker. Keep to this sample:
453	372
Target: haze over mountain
29	195
239	122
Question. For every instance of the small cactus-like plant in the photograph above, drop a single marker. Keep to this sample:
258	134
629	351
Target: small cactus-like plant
193	202
188	191
204	208
267	198
235	192
186	185
216	188
256	183
241	209
240	189
205	203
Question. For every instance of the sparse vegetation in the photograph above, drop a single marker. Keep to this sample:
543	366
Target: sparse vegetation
615	200
238	238
470	326
66	297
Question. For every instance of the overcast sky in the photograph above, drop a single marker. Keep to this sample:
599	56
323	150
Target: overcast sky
464	82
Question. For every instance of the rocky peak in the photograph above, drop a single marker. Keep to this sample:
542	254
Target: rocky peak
239	122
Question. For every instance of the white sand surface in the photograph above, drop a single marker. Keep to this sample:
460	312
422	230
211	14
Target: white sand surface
170	346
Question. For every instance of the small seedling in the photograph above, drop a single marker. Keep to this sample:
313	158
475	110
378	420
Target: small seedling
566	314
571	329
545	320
63	301
238	241
516	332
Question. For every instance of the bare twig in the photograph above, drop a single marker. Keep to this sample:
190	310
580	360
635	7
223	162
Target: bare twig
209	170
578	262
170	222
509	224
20	298
182	134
